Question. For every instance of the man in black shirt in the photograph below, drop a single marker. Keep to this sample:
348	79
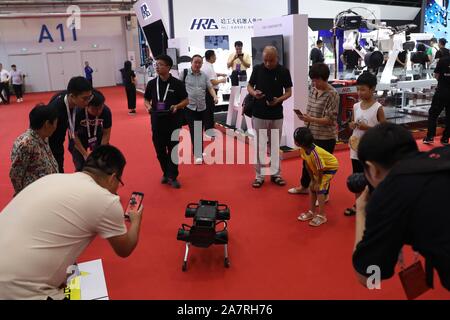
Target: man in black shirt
441	100
351	59
443	51
405	208
270	84
92	129
78	94
316	54
165	97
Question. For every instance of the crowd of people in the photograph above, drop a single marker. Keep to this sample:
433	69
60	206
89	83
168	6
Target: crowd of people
53	216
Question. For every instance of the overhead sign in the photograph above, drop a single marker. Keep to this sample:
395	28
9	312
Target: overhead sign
226	24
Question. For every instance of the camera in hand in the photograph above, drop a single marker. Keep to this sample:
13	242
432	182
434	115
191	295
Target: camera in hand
357	182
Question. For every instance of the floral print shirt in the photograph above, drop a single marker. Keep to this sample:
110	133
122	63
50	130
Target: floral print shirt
31	159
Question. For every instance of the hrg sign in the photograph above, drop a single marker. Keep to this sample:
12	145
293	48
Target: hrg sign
204	24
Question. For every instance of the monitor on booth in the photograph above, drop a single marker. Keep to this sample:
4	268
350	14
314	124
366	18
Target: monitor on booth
259	43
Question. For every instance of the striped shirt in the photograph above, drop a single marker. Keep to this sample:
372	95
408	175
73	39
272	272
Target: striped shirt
319	161
323	104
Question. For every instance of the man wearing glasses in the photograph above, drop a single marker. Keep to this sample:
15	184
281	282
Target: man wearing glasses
54	219
164	98
78	94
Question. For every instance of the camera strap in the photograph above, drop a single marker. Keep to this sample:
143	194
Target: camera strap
401	259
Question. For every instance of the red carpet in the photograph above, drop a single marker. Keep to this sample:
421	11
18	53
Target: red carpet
273	256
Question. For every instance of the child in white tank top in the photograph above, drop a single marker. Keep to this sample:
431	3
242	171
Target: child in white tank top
366	114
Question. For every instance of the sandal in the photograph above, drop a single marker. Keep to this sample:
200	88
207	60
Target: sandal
278	180
318	220
297	190
350	211
306	216
257	183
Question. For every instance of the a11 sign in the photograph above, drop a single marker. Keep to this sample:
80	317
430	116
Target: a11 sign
46	35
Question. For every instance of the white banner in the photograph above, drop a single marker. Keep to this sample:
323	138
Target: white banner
147	12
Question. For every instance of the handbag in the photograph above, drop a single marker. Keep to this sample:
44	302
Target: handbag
413	278
247	105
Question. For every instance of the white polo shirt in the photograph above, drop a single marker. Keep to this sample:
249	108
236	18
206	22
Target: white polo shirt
47	226
208	69
4	75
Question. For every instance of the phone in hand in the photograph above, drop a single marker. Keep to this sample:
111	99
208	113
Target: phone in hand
298	112
135	203
240	55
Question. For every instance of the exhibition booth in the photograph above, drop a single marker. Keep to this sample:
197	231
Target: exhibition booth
376	34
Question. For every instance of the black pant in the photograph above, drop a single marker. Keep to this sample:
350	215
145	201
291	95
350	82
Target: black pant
235	77
162	128
439	102
18	90
131	96
327	145
59	157
210	106
78	159
91	82
4	86
191	117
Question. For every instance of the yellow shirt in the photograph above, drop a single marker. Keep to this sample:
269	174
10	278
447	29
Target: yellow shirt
247	59
319	160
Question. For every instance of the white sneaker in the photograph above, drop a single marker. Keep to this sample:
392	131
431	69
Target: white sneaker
198	160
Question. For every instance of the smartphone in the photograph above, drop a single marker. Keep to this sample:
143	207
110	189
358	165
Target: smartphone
240	55
135	203
298	112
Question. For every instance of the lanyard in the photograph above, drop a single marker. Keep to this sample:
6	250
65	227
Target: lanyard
88	125
71	121
157	90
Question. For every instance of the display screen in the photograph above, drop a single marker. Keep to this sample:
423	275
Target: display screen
437	18
259	43
217	42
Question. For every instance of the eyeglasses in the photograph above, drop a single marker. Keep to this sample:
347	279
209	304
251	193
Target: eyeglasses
160	65
120	181
87	98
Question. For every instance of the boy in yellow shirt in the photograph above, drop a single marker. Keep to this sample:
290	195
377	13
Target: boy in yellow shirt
321	166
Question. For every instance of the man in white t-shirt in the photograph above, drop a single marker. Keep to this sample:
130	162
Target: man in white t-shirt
46	227
208	69
4	84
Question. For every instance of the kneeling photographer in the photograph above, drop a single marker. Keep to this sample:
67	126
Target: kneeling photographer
407	204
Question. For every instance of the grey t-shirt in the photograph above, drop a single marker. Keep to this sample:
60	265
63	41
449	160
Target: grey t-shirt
16	77
196	86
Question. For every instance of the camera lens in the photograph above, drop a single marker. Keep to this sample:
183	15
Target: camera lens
357	182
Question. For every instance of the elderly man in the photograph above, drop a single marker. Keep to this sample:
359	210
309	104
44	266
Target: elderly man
270	84
197	84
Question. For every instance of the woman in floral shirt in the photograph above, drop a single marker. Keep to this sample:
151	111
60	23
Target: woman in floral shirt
31	156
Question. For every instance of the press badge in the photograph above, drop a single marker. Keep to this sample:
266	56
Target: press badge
161	106
92	142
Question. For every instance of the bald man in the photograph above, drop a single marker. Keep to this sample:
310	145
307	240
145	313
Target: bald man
270	84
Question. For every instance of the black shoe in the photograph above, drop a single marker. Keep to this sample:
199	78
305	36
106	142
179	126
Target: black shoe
175	184
428	140
164	180
444	141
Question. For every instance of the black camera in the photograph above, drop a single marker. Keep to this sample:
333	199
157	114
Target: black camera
357	182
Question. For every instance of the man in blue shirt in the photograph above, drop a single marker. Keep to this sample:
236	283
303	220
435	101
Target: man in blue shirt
88	71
